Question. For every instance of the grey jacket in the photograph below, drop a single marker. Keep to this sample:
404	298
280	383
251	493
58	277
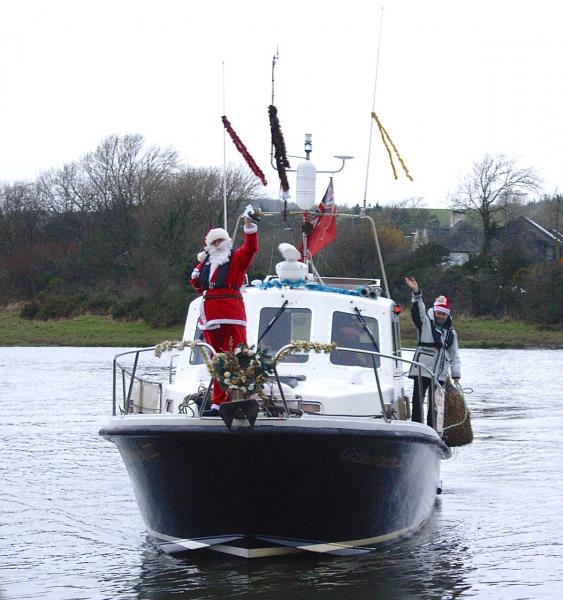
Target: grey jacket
437	349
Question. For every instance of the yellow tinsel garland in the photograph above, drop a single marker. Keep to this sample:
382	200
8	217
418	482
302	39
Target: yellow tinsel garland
169	345
386	141
297	345
303	346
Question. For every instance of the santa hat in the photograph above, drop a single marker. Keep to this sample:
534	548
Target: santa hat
216	234
442	304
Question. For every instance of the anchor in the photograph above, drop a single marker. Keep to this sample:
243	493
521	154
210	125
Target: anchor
239	409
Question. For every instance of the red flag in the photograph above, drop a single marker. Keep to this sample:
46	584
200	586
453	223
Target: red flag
324	224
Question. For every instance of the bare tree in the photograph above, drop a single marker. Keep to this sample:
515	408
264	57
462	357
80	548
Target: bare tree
119	174
411	202
66	190
490	186
21	211
122	176
124	173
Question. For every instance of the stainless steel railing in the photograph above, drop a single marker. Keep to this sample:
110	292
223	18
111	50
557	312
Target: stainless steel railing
373	355
129	376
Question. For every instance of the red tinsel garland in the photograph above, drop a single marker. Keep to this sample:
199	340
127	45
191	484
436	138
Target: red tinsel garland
279	147
242	149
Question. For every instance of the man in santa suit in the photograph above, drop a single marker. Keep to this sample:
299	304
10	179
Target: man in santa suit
219	276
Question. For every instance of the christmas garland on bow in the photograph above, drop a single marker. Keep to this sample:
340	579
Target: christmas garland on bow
243	150
244	368
279	147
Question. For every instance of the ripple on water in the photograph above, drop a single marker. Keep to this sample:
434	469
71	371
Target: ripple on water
70	527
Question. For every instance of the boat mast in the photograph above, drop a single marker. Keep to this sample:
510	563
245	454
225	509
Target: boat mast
306	226
285	195
274	61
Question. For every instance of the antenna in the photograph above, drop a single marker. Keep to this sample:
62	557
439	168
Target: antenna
373	108
224	157
274	61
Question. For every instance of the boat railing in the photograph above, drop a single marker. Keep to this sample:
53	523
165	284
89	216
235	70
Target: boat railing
140	387
152	390
128	378
340	215
375	355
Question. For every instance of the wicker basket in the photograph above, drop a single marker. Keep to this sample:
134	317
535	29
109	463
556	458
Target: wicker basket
457	418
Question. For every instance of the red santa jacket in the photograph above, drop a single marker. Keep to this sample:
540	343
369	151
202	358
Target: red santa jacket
223	304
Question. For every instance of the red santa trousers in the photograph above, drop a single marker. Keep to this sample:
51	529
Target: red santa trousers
220	340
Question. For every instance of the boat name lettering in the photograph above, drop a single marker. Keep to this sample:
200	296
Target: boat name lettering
145	452
362	457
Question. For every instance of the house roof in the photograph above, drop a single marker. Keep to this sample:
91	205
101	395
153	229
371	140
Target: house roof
466	237
462	237
532	228
554	235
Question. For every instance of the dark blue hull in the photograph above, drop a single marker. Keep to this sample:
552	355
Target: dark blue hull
321	489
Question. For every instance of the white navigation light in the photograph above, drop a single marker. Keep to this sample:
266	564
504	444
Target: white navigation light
305	187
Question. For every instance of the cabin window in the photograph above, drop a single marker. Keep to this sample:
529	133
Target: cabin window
291	324
195	356
349	332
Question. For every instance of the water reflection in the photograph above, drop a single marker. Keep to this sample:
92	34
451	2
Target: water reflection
433	564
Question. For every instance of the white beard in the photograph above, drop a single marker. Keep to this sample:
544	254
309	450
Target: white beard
219	255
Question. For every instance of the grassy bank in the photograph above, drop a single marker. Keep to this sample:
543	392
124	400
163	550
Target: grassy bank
87	330
492	333
90	330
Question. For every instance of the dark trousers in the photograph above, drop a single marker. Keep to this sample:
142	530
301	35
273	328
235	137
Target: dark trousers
421	386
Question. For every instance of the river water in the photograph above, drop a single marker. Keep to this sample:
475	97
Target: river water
70	528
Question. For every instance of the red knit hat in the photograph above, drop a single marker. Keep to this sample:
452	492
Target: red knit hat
442	304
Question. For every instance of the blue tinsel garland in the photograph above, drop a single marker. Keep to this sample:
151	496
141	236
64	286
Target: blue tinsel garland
318	287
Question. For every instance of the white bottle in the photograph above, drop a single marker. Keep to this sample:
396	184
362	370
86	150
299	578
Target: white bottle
439	403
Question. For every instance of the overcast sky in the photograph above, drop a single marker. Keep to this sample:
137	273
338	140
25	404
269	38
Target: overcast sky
456	79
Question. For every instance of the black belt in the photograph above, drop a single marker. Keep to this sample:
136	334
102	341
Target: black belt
223	286
224	297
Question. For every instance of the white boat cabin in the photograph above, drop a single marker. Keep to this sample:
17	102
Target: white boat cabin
341	382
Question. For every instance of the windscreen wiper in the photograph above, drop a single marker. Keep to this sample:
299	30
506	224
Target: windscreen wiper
274	319
366	328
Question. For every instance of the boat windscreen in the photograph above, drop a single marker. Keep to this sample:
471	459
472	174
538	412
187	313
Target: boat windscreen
292	324
349	332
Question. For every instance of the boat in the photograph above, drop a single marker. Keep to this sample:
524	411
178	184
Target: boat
338	469
329	462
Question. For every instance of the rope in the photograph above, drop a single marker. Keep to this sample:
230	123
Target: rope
183	408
